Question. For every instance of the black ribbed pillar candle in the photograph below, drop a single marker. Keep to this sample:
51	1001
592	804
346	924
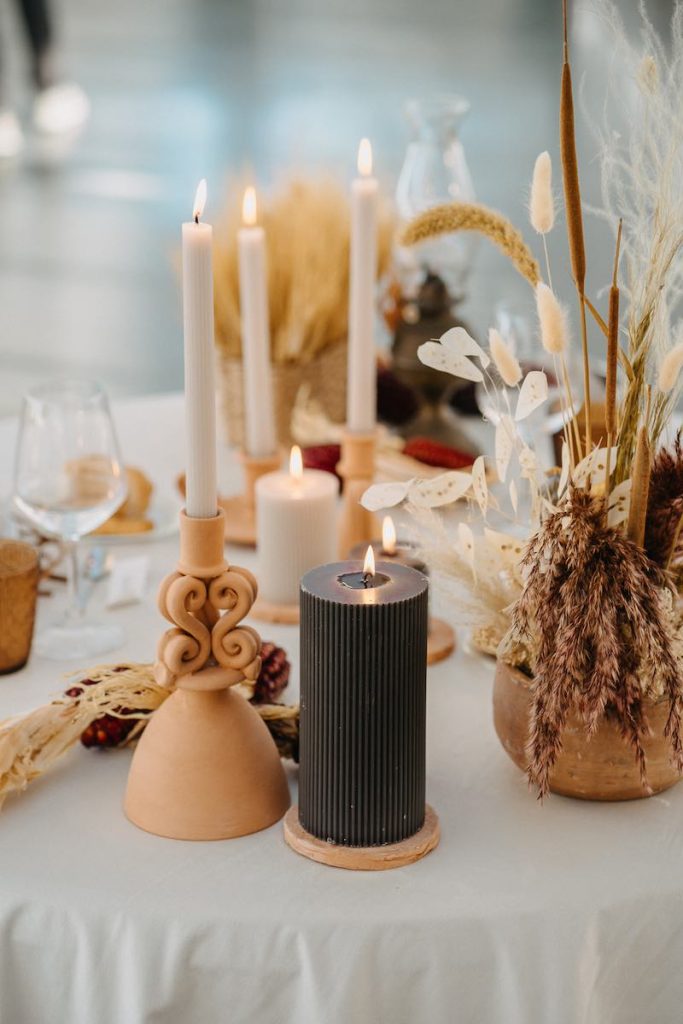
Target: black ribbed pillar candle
363	676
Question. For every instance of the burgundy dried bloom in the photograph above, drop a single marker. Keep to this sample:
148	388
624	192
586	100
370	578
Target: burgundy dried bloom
665	506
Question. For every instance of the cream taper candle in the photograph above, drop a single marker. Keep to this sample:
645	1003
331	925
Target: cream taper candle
200	388
259	420
296	527
361	403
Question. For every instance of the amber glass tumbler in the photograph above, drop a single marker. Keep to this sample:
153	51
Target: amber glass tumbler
19	574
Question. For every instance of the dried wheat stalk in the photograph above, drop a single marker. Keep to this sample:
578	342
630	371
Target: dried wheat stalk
307	227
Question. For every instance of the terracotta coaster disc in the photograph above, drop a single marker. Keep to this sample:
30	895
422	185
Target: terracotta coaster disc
266	611
363	858
240	520
440	641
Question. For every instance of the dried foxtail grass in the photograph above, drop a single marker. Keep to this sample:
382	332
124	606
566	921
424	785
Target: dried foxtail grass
307	226
31	743
451	217
593	613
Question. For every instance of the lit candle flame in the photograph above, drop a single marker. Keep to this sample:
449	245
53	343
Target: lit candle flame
296	463
365	158
388	536
249	207
369	563
199	201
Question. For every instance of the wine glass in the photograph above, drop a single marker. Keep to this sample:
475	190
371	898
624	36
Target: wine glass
68	480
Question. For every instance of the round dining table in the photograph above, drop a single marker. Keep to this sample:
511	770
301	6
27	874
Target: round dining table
557	912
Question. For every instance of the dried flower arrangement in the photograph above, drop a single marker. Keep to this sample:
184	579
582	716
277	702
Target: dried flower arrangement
307	231
581	592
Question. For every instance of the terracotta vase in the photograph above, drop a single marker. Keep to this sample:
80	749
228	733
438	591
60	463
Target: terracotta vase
601	767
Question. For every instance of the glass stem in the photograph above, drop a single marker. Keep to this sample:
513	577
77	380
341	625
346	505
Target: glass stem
74	610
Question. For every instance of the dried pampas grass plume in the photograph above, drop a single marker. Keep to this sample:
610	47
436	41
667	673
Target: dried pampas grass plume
442	220
505	362
541	203
552	320
671	368
648	74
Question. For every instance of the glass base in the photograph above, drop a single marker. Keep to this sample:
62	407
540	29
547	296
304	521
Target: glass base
66	641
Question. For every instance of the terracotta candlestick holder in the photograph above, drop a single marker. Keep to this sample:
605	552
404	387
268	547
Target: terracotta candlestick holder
357	468
206	766
240	509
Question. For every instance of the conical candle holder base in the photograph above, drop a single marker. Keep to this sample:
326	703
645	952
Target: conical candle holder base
206	766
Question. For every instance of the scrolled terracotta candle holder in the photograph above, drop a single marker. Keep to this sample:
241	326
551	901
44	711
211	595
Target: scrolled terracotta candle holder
206	766
357	468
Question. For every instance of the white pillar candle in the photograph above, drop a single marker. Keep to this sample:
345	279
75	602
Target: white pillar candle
259	420
296	527
200	392
361	400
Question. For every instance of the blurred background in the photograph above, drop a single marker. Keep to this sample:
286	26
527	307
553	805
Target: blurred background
185	89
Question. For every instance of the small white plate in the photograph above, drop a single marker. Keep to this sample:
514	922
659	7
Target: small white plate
163	513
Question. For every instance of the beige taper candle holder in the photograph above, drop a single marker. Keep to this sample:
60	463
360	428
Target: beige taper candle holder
206	766
240	524
357	469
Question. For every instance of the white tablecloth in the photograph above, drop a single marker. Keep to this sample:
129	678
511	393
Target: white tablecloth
566	912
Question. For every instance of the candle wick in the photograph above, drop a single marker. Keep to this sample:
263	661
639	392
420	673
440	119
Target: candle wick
196	218
366	579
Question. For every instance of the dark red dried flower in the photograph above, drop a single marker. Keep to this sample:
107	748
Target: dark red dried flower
665	506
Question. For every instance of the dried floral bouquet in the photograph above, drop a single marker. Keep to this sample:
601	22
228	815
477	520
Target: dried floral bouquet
583	592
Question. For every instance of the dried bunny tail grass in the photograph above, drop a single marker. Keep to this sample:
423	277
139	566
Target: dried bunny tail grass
506	363
552	320
541	202
442	220
31	743
670	368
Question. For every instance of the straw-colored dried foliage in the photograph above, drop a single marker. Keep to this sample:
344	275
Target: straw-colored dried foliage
640	150
32	742
307	225
595	614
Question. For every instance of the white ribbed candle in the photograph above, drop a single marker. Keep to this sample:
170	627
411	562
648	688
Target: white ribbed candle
259	421
200	393
362	374
296	530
